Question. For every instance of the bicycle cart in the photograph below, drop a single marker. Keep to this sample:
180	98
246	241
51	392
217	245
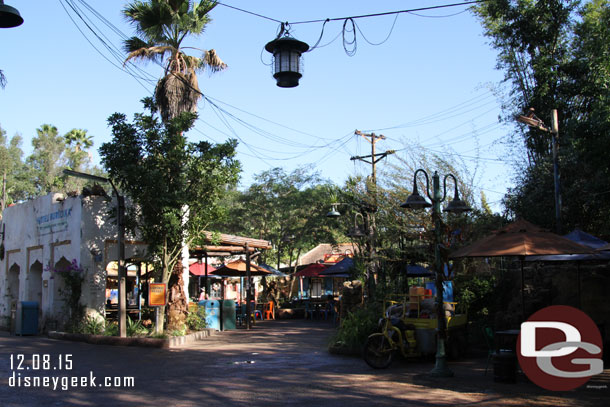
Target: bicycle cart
408	326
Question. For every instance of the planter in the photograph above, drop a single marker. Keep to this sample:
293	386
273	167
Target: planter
165	343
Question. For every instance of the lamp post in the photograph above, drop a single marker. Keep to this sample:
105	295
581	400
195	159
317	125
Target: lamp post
534	122
358	232
457	206
120	243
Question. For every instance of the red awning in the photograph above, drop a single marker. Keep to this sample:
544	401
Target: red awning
313	270
199	269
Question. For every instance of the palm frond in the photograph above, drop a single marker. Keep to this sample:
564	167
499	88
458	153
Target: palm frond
176	93
212	61
150	53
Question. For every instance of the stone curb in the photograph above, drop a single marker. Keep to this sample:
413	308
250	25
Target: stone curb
166	343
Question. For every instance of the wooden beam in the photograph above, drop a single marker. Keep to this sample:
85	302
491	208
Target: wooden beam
238	240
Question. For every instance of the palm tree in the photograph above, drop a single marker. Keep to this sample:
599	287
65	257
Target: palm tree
81	141
161	27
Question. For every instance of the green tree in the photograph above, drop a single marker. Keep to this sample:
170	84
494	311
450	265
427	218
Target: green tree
554	56
79	142
162	26
175	186
48	159
285	208
16	177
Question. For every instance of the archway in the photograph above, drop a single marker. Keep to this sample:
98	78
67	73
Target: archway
34	283
59	286
12	283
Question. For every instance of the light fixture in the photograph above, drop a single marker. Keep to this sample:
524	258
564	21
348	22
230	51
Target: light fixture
415	200
287	63
9	16
356	231
457	206
333	213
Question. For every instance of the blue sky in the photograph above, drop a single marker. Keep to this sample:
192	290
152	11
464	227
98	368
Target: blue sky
430	83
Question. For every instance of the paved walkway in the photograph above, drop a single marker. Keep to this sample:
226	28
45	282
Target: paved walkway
277	363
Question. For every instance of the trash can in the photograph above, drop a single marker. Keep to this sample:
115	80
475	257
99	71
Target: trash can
212	313
227	312
505	366
27	318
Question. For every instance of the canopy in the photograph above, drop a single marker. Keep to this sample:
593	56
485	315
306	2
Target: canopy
604	248
520	238
584	239
341	269
415	270
237	268
199	269
313	270
275	272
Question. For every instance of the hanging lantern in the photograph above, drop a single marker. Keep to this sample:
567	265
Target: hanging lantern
287	64
9	16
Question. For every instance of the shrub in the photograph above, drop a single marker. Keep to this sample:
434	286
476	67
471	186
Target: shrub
135	328
196	319
91	325
354	330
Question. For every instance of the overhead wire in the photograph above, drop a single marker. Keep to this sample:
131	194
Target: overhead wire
333	145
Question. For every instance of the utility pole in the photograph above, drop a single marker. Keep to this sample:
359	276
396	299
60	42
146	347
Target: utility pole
372	159
533	121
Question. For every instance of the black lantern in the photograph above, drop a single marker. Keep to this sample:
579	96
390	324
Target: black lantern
287	64
9	16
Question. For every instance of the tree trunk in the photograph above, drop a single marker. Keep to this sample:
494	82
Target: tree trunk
177	305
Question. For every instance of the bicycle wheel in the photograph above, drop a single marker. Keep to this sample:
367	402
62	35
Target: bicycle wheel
377	351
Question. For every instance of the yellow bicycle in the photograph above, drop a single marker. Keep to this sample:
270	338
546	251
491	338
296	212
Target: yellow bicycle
395	335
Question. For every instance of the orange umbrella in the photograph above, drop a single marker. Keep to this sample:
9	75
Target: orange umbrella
237	268
521	238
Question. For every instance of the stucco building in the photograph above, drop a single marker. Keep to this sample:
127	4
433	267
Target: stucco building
48	234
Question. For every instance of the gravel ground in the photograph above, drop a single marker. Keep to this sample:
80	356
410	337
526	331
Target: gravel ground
277	363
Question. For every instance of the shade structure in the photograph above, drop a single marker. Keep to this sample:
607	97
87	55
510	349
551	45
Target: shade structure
415	270
604	248
237	268
273	271
584	239
198	269
313	270
341	269
520	238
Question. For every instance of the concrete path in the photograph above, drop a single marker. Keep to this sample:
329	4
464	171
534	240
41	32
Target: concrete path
277	363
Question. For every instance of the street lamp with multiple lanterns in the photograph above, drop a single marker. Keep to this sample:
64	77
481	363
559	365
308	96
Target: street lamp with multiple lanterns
456	206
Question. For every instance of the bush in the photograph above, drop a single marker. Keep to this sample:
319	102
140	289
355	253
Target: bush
135	328
354	330
92	325
112	328
196	319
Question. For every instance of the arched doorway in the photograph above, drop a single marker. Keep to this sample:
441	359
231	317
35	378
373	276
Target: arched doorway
59	288
34	284
12	283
